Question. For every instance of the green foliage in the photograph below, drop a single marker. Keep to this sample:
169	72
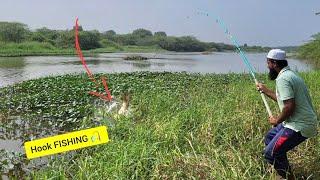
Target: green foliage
147	41
25	46
288	49
181	44
80	28
189	43
143	49
89	40
316	36
45	35
32	48
255	48
65	39
38	37
141	33
226	47
105	43
214	47
108	41
182	126
311	50
160	34
109	35
13	32
125	39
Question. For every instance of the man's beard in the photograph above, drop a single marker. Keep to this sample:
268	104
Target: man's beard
273	74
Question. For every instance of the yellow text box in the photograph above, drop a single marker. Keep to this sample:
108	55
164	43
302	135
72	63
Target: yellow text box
66	142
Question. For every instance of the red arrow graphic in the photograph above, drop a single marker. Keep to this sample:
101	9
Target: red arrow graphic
91	77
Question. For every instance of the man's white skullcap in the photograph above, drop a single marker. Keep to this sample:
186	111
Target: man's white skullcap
276	54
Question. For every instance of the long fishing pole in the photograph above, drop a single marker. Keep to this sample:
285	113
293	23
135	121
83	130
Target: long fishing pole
243	57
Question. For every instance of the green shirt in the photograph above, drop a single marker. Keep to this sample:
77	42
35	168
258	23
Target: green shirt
304	119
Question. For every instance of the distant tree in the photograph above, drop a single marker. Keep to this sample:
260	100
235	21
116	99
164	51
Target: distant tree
44	35
125	39
107	44
316	36
110	33
38	37
48	33
168	43
245	45
160	34
89	39
182	44
214	47
65	39
148	41
13	32
142	33
226	47
191	44
80	28
96	33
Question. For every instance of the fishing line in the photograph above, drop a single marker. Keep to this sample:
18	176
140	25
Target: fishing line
241	53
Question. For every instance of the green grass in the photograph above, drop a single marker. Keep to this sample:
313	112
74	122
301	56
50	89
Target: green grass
31	48
310	52
143	49
182	126
46	49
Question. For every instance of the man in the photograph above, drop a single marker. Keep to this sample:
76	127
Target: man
297	120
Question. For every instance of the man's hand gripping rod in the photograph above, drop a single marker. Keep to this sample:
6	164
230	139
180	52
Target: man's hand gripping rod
264	100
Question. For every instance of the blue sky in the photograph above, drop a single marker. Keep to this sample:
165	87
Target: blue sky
255	22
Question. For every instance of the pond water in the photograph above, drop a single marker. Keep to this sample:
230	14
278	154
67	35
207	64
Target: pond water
17	69
15	129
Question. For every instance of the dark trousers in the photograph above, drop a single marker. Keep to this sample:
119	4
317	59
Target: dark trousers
279	140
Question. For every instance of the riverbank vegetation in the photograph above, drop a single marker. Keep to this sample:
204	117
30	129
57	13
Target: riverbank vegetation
182	126
16	39
311	50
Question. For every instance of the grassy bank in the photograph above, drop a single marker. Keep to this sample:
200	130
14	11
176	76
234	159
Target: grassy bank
311	51
46	49
182	126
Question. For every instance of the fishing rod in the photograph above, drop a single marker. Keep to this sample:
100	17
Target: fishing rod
243	57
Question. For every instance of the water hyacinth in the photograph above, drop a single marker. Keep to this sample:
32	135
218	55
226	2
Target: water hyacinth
182	126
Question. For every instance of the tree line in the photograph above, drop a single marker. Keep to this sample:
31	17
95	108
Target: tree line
18	32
